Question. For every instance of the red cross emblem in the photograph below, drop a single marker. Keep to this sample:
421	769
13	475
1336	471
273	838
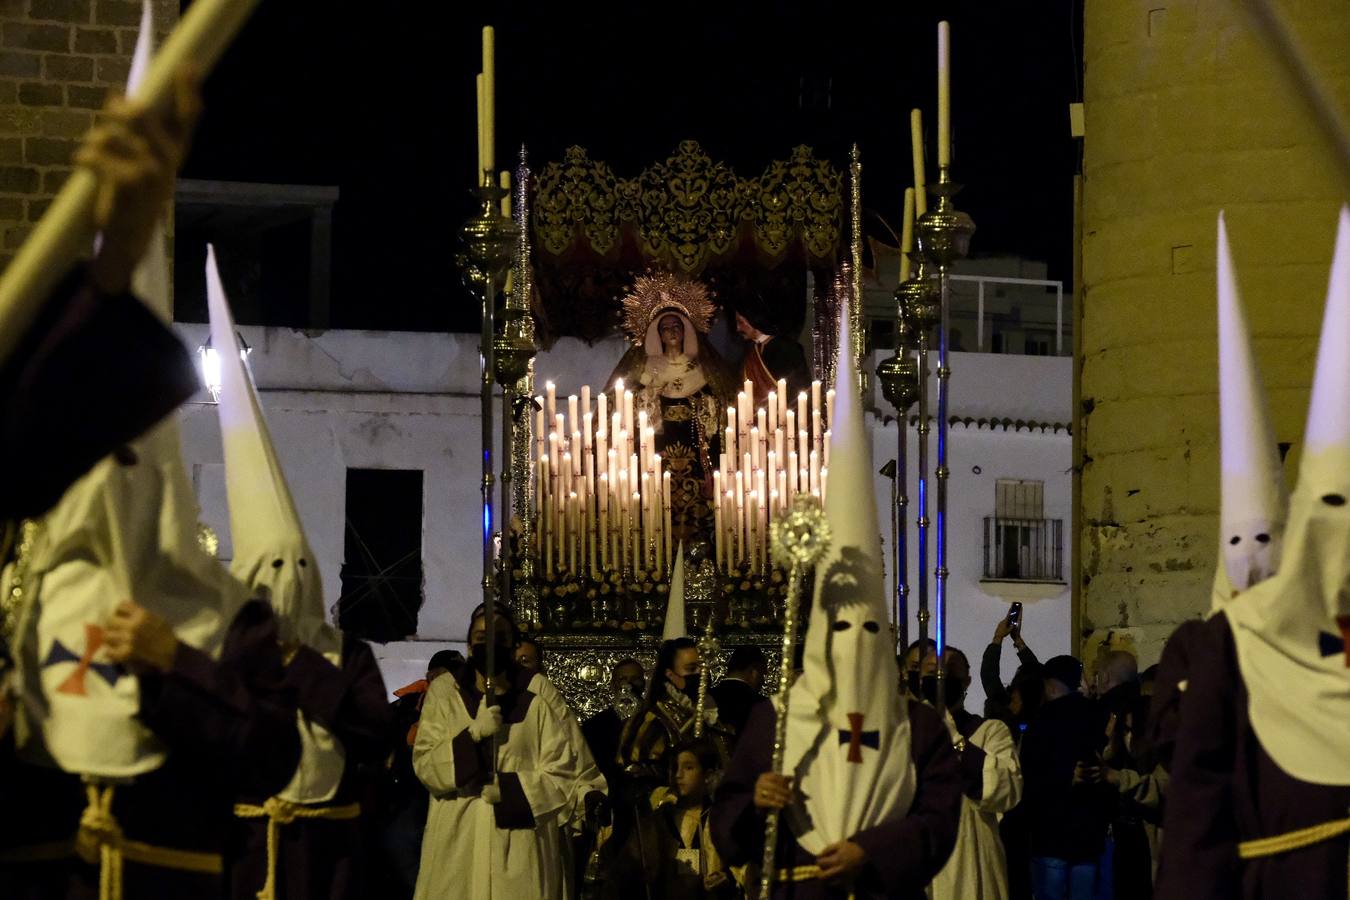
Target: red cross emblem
75	684
856	738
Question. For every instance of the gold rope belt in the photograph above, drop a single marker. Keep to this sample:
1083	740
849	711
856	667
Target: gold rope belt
280	812
796	874
100	841
1293	840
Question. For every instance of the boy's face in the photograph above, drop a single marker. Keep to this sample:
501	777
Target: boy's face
688	775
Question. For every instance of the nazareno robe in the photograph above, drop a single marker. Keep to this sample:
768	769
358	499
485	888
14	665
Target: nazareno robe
991	778
92	372
1226	789
902	855
229	725
321	859
511	849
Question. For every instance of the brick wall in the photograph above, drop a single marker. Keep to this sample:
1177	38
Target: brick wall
1187	111
58	60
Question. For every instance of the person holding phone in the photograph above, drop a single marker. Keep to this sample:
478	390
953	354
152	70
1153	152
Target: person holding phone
1014	704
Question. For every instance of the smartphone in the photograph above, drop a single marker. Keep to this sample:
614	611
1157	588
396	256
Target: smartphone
1015	615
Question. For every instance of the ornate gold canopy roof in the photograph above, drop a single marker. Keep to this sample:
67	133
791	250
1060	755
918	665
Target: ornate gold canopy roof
689	209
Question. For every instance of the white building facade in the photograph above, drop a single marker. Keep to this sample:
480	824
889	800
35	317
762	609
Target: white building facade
343	400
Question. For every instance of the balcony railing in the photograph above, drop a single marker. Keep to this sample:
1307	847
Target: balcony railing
1023	549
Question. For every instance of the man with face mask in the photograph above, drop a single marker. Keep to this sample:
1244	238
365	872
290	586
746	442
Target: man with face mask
506	771
1260	777
627	684
991	782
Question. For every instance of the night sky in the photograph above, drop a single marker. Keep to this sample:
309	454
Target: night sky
378	99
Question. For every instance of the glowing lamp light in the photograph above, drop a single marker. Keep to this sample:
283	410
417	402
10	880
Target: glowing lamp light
210	364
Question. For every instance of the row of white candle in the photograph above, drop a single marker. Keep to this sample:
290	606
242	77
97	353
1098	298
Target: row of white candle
769	456
603	500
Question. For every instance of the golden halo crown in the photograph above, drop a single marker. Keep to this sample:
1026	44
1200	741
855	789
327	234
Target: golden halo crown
664	292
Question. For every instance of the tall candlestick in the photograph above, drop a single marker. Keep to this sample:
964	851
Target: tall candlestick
482	124
773	411
585	398
907	236
573	417
550	400
944	95
829	408
602	409
783	399
762	421
628	411
668	496
489	98
920	184
802	414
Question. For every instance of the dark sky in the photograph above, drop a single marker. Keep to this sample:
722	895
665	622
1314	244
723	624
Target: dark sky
378	99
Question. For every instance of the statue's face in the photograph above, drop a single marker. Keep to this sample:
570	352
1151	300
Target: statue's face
671	330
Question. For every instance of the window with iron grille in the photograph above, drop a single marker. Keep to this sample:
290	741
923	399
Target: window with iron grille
1020	544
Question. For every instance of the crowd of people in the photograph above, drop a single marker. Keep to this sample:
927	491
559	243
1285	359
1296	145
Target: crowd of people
170	728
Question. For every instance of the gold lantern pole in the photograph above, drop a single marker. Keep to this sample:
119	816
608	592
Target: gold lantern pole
944	237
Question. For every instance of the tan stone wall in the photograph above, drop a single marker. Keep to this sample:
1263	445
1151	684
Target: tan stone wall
58	60
1187	112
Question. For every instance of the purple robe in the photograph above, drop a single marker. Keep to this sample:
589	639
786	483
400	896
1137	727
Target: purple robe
229	726
321	859
93	372
902	856
1226	789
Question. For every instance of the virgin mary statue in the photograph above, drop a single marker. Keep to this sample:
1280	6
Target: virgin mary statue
682	384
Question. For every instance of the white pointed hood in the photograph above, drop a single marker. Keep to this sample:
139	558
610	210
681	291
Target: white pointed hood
1293	631
271	554
127	530
674	626
1252	499
270	550
848	738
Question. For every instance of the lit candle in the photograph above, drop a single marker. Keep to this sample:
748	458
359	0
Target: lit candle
944	95
573	419
761	420
782	399
553	451
816	431
815	472
793	484
801	410
749	390
489	98
560	428
771	467
728	442
803	447
757	458
587	429
784	497
829	408
778	445
731	432
551	399
815	394
920	184
825	454
719	542
628	411
601	409
773	410
824	482
576	457
585	398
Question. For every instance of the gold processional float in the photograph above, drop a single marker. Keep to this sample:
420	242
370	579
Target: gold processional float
595	525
